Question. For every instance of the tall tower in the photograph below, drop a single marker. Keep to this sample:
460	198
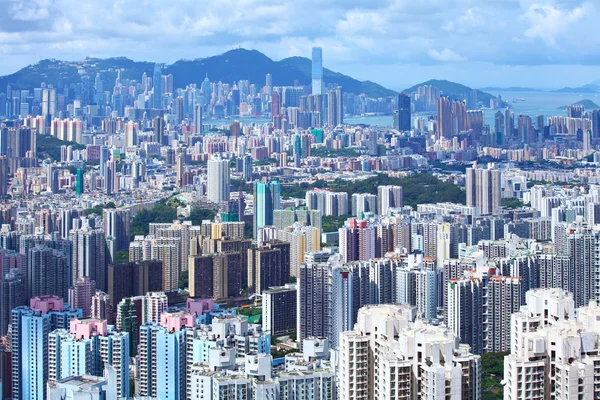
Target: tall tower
266	199
484	189
158	90
403	107
198	119
218	180
317	70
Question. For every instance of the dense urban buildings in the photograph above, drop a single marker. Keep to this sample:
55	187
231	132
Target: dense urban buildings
182	237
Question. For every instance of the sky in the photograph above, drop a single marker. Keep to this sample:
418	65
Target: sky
397	43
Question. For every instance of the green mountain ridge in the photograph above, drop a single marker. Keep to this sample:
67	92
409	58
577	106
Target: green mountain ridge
233	65
587	104
453	90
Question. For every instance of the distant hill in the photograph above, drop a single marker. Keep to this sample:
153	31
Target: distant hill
509	89
453	90
234	65
581	89
587	104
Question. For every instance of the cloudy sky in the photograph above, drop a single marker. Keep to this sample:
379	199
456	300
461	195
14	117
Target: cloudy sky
534	43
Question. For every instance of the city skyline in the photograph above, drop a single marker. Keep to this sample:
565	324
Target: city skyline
466	40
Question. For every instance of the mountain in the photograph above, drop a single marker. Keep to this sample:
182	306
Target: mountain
587	104
234	65
581	89
453	90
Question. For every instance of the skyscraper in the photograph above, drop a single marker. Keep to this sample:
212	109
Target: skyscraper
13	293
317	70
157	86
159	129
444	118
266	199
484	189
198	119
335	107
402	121
218	180
116	228
388	197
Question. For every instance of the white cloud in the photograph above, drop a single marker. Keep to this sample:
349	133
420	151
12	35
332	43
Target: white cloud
446	55
351	32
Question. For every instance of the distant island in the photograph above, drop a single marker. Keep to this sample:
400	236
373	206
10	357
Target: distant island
587	104
582	89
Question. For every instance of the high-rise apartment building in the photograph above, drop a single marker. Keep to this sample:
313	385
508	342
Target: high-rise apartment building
388	197
218	180
484	189
268	266
13	293
89	255
162	361
88	347
390	355
444	118
554	348
80	295
133	279
30	327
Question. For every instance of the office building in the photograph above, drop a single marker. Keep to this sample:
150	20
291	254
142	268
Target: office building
157	87
402	119
218	180
279	310
116	228
198	119
317	70
267	198
390	355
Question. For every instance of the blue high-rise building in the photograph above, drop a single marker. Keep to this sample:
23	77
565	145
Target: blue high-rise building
162	362
317	70
157	85
267	197
29	344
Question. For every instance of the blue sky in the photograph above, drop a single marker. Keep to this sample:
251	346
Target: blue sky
535	43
